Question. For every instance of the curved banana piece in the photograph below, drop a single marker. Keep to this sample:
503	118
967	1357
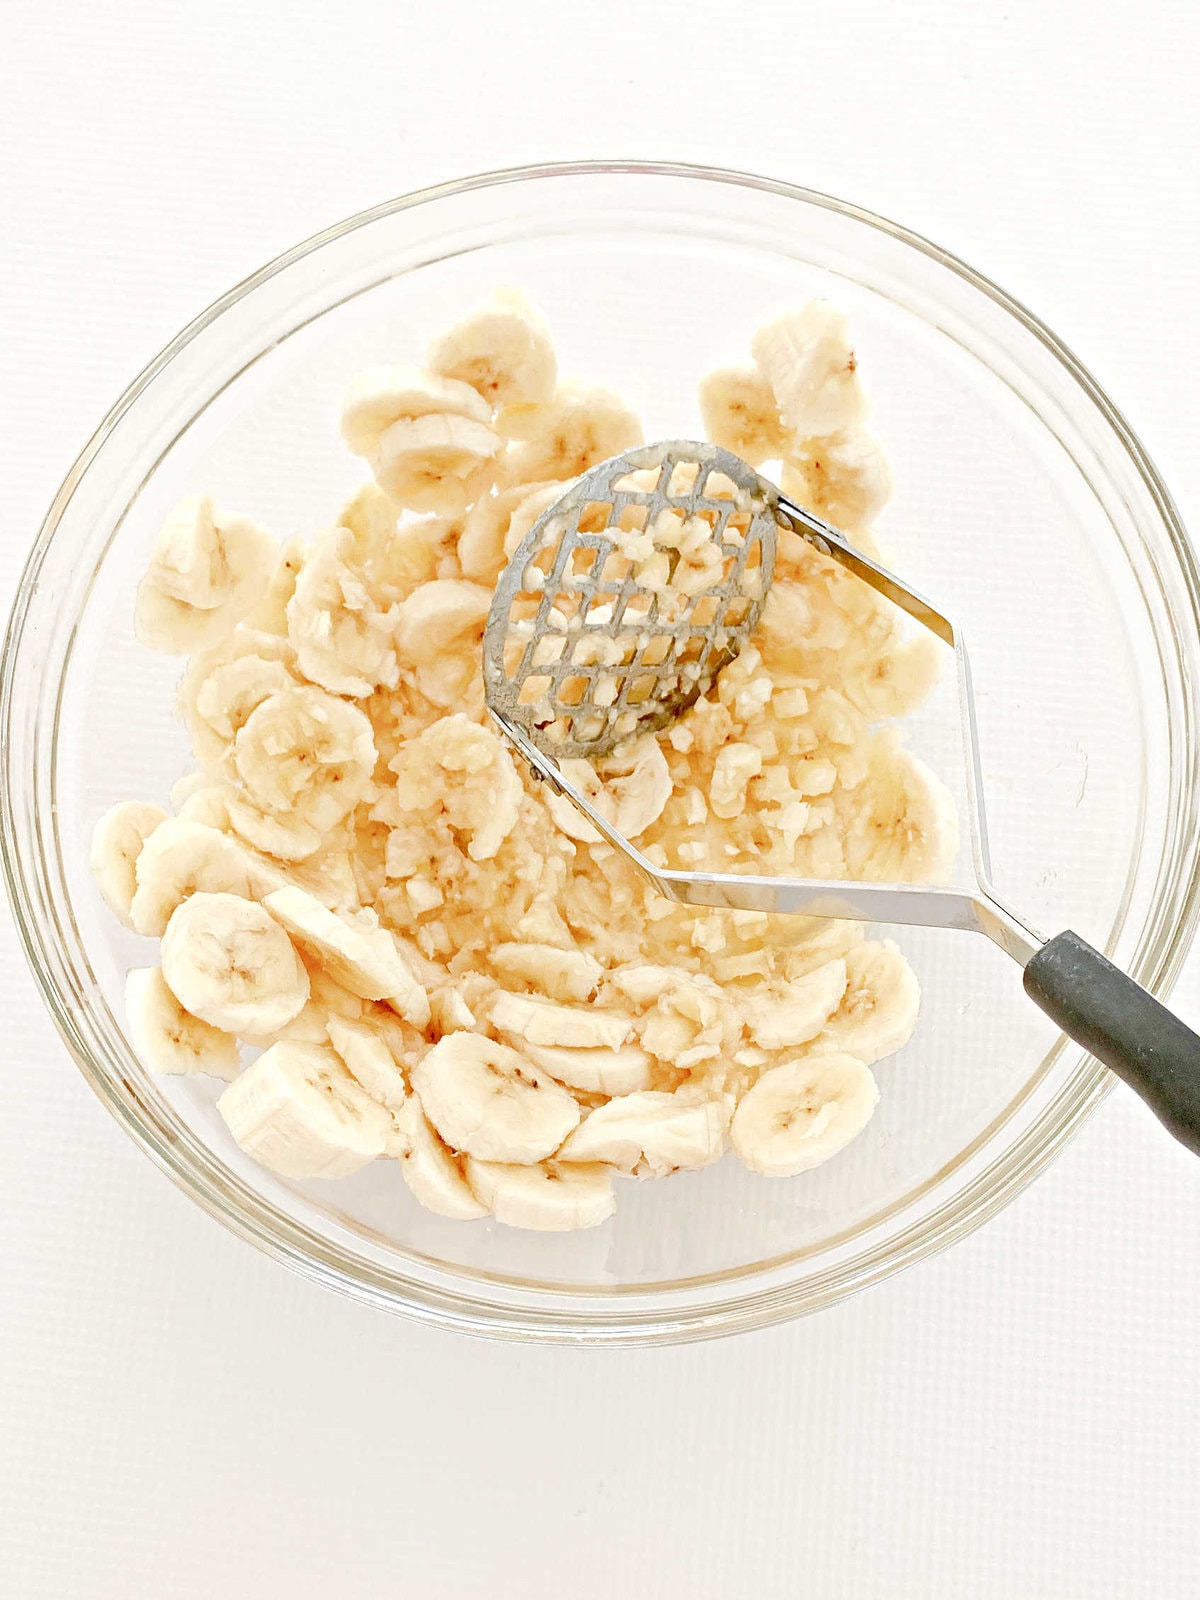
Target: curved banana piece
901	825
179	859
799	1114
807	359
503	351
550	1198
369	1061
533	1020
486	532
168	1038
435	463
430	1170
594	1069
228	962
460	770
629	788
560	974
306	757
117	842
577	430
342	640
206	572
843	477
650	1133
779	1018
488	1101
740	414
298	1111
879	1008
354	950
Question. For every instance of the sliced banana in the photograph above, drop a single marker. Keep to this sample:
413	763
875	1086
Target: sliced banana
228	962
533	1020
461	771
807	359
354	950
305	756
269	615
536	498
595	1070
503	351
485	537
439	629
382	396
799	1114
650	1133
117	842
168	1038
561	974
792	1013
890	672
843	477
553	1197
577	430
369	1061
177	860
901	825
435	463
342	640
490	1102
879	1008
219	705
297	1110
206	572
431	1171
740	414
290	839
629	788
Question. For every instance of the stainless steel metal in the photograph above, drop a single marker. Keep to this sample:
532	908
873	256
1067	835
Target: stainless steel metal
577	649
976	910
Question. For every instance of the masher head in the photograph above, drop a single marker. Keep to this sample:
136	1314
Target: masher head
625	600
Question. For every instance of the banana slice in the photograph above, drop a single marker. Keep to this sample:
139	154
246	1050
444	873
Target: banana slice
270	614
533	1020
577	430
461	771
369	1061
289	839
503	351
228	962
843	477
382	396
218	707
354	950
486	1100
439	629
550	1198
807	359
431	1171
206	572
777	1020
536	498
901	825
740	414
343	642
483	543
735	766
629	788
306	757
595	1070
650	1133
117	842
436	463
298	1111
879	1008
561	974
799	1114
179	859
168	1038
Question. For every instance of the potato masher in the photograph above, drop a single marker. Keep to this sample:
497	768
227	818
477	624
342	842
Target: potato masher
582	650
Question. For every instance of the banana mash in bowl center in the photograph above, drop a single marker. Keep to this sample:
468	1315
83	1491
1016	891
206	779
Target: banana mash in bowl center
391	1008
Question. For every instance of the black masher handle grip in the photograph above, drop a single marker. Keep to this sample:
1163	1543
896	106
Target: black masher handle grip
1122	1025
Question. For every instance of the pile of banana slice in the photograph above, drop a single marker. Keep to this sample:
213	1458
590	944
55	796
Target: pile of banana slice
391	943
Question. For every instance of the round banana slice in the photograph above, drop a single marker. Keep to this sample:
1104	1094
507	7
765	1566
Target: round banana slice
168	1038
879	1008
503	351
438	462
484	540
447	614
430	1169
228	962
629	789
207	570
807	359
354	950
535	499
461	771
117	842
799	1114
533	1020
370	1062
342	640
220	705
740	414
595	1070
561	974
890	672
178	859
208	806
382	396
551	1198
901	825
843	477
783	1015
651	1133
305	756
488	1101
298	1111
577	430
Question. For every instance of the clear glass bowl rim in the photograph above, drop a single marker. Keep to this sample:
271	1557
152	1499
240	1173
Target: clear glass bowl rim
457	1307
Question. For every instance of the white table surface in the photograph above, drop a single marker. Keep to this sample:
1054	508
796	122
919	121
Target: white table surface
1017	1420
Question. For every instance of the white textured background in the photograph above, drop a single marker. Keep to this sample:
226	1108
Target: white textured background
1018	1420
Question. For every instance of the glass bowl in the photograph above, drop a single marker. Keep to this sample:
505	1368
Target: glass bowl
1024	504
